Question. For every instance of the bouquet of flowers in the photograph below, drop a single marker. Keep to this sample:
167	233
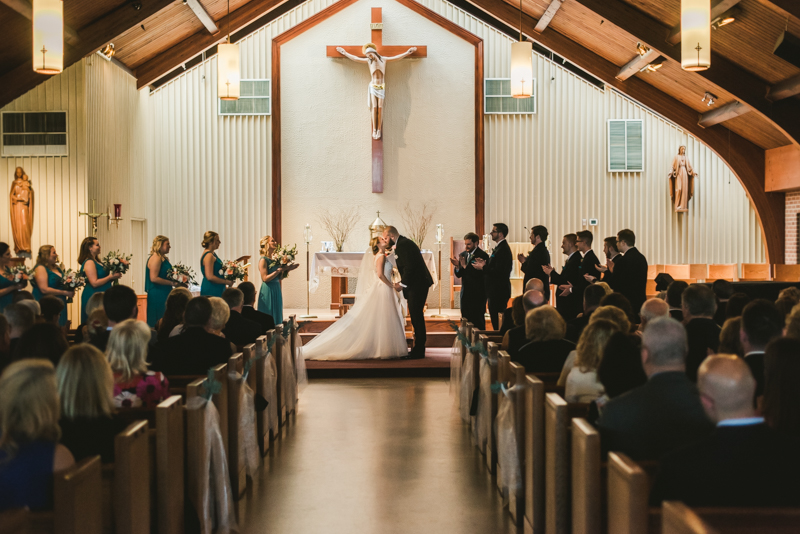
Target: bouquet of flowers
181	274
232	271
115	262
72	280
284	257
18	274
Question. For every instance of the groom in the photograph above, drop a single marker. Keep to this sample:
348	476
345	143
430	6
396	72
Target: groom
415	279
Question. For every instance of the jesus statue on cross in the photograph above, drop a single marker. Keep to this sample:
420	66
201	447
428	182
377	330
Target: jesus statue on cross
376	89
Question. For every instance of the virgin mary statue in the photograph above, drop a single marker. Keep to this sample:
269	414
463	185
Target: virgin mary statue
21	199
681	181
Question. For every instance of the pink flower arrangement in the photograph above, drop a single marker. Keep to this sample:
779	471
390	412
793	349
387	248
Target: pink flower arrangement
18	274
115	262
232	271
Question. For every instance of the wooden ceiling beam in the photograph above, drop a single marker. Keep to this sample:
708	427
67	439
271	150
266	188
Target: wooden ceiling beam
785	89
744	157
636	64
24	8
156	67
548	15
719	7
201	13
722	114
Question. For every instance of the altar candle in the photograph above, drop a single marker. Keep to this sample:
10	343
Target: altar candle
439	233
307	233
117	211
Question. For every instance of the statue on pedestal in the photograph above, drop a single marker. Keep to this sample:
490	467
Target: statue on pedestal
21	200
681	181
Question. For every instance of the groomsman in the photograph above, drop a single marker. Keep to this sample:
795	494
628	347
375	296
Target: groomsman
497	273
629	271
610	251
589	262
538	257
568	302
473	288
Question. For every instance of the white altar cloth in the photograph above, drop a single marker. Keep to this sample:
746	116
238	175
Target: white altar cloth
347	264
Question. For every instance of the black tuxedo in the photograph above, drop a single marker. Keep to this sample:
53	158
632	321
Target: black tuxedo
608	276
532	267
192	352
241	331
589	265
497	276
630	277
473	289
702	334
416	278
755	360
265	320
570	306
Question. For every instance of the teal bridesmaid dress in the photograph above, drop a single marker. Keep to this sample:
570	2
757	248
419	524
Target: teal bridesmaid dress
54	281
156	293
209	288
270	299
5	300
88	290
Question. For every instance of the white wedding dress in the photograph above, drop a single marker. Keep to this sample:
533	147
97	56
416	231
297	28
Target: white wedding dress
374	328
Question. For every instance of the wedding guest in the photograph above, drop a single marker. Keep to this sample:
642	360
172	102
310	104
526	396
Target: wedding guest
98	279
603	313
21	295
517	318
249	312
88	427
497	274
582	384
29	432
51	309
35	309
507	323
20	320
156	284
629	270
47	279
238	330
173	313
652	309
270	299
94	303
736	305
44	340
220	313
212	285
699	305
568	301
7	287
546	348
589	262
674	292
97	328
723	290
538	258
620	371
134	385
592	296
761	323
618	300
518	336
729	342
784	305
473	286
792	293
119	303
781	408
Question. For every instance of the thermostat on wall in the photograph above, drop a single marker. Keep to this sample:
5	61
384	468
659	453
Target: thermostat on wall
592	222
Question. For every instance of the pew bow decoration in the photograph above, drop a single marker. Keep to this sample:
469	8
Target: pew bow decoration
211	386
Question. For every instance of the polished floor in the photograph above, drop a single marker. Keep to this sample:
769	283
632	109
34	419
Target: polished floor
385	455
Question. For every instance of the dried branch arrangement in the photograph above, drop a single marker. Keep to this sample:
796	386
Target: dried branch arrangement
339	224
417	220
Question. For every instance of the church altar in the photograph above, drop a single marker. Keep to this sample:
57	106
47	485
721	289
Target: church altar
347	264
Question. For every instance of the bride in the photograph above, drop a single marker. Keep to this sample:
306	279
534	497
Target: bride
374	328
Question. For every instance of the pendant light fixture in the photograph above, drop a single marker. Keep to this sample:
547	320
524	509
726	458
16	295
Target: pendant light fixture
48	36
228	76
521	65
695	34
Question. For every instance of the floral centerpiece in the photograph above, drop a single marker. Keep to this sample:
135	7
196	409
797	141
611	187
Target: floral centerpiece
115	262
283	257
232	271
18	274
182	274
72	280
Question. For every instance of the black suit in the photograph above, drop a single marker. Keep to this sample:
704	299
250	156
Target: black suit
473	289
702	334
543	356
755	360
608	276
630	277
749	465
589	265
532	267
241	331
575	327
264	319
516	339
570	306
649	421
416	278
192	352
507	322
497	276
721	313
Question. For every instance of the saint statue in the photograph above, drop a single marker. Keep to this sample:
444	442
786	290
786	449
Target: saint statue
21	199
376	89
681	181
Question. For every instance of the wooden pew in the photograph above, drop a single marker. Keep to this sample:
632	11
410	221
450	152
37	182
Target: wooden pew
263	374
503	363
293	348
277	347
178	383
534	456
236	465
220	399
126	483
628	495
486	401
515	374
557	499
491	434
677	518
14	521
170	465
492	335
587	491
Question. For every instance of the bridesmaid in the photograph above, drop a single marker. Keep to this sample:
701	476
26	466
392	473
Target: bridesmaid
156	284
270	299
47	279
213	285
7	287
97	279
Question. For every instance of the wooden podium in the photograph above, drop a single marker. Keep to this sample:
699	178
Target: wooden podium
245	261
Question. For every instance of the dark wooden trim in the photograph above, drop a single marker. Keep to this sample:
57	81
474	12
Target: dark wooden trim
288	35
790	6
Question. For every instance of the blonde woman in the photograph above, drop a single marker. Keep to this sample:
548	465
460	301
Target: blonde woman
270	299
29	432
134	385
220	313
87	408
582	383
156	284
47	279
603	313
545	349
212	285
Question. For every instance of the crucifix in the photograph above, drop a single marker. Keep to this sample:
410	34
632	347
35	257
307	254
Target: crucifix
93	216
376	55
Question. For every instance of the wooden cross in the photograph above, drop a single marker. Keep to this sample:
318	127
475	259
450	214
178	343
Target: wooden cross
376	27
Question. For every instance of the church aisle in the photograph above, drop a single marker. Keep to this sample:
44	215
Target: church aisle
375	455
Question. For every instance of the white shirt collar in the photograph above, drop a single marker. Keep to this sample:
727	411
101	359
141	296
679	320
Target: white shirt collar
742	421
500	241
754	352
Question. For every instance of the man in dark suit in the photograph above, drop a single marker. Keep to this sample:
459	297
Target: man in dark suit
592	296
698	307
610	251
761	323
589	262
629	270
538	258
663	414
473	288
415	279
249	312
238	330
723	289
675	299
517	336
497	274
119	303
568	302
742	462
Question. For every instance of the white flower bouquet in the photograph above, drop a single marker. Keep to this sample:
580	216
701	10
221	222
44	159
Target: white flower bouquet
19	274
182	274
231	271
72	280
284	257
115	262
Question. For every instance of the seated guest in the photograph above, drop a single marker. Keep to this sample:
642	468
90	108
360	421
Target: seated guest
516	337
546	349
736	305
97	326
5	343
582	383
20	319
238	330
220	313
699	306
29	449
248	308
87	420
603	313
620	301
780	408
134	385
605	287
791	293
674	292
652	309
194	350
663	280
51	308
171	322
43	340
517	319
792	324
663	414
784	305
508	322
19	296
620	371
742	462
761	323
723	290
729	342
95	302
34	307
592	296
119	303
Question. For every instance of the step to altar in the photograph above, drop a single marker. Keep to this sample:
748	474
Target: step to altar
436	364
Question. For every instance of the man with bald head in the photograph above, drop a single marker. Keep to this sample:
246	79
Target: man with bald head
652	309
742	462
508	314
663	414
515	337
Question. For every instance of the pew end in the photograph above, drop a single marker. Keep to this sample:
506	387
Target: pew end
236	467
516	496
557	469
587	502
677	518
628	494
534	456
170	465
131	486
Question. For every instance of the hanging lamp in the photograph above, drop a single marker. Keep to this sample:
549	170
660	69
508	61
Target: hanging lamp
228	76
521	65
695	34
48	36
